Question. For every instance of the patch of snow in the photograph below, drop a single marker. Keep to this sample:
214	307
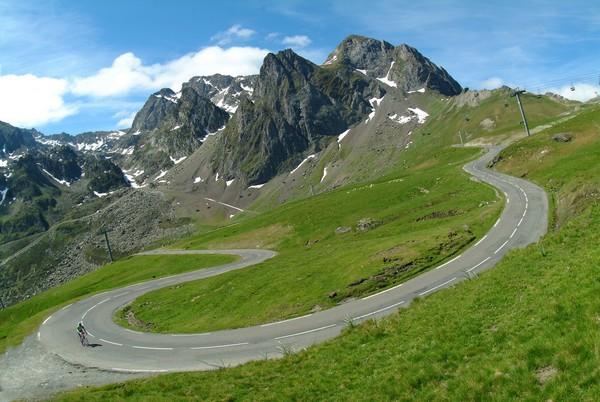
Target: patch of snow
177	161
161	175
400	119
116	134
137	132
217	177
408	145
169	98
342	136
247	89
177	127
228	182
15	157
207	82
198	180
364	72
421	114
213	133
417	113
257	185
386	80
3	163
330	61
100	195
94	146
231	216
375	102
63	182
324	174
303	162
3	192
422	90
127	151
131	179
44	141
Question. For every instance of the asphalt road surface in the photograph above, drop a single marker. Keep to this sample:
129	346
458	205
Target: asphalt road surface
523	221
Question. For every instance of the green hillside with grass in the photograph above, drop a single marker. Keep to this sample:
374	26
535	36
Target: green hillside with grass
528	329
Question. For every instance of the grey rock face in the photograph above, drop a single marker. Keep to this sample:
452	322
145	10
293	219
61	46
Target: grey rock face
296	105
223	90
171	126
402	65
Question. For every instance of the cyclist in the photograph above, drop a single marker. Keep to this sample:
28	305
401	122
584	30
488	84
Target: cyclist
82	333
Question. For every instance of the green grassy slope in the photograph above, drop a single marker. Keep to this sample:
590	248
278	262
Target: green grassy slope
317	268
528	329
424	217
19	320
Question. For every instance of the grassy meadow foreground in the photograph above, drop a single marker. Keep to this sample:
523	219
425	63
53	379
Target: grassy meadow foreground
528	329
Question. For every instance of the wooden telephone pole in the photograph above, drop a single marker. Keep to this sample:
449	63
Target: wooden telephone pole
105	233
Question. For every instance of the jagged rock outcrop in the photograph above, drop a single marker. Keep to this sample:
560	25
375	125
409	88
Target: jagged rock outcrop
171	126
296	105
223	90
400	66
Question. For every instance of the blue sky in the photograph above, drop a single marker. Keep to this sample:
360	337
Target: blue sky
89	65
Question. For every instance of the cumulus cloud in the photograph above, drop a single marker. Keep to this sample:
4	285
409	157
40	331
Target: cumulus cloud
235	32
28	100
492	83
125	119
128	73
298	41
583	92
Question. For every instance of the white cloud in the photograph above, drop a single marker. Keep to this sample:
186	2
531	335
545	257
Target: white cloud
234	32
126	119
28	100
583	92
272	36
297	41
492	83
127	72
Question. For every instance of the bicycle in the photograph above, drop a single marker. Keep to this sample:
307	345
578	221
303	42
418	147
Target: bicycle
83	339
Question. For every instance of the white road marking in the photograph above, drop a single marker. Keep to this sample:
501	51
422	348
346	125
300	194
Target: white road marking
151	348
67	306
448	262
306	332
39	335
121	294
220	346
112	343
90	309
379	311
520	221
480	240
437	287
501	247
46	320
382	292
482	262
513	233
204	334
497	222
288	320
89	333
138	370
132	331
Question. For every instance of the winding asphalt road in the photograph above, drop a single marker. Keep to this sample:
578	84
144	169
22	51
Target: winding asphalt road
523	221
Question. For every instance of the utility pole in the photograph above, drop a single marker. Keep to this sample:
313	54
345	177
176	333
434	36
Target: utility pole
517	94
105	233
